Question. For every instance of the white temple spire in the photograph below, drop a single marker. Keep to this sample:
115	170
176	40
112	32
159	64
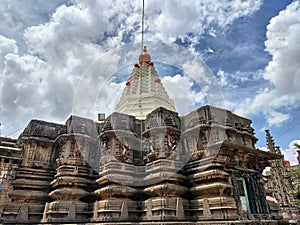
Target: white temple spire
144	91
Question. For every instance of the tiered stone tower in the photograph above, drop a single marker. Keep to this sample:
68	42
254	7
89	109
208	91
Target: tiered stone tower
280	183
32	184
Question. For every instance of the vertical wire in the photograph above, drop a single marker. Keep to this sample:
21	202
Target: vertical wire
141	77
143	16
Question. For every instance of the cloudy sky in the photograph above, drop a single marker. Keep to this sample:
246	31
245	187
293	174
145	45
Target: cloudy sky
252	47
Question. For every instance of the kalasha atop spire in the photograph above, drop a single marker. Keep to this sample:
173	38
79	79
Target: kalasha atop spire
144	56
144	91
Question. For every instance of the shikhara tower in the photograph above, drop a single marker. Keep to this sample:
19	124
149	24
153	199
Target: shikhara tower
144	91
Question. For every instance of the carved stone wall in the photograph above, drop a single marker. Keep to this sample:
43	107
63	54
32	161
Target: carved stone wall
199	167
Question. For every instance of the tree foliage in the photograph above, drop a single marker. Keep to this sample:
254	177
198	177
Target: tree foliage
296	185
295	174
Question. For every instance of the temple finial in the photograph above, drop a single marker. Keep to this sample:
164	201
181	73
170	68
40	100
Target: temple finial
144	56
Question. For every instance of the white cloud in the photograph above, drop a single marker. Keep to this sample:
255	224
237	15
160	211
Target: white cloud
283	71
29	89
16	16
276	118
179	88
171	19
290	154
6	46
238	78
263	149
112	91
222	78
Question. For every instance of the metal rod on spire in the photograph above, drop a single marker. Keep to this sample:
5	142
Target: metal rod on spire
143	12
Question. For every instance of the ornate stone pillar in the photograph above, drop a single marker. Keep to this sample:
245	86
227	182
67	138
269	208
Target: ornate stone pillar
73	183
164	185
117	198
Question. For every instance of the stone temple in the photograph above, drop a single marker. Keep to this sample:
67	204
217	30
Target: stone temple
143	164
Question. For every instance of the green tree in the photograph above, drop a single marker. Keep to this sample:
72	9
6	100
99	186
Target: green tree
296	185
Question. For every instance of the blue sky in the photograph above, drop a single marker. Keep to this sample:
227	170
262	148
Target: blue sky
251	46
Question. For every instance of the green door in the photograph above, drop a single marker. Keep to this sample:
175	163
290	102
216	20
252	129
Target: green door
243	195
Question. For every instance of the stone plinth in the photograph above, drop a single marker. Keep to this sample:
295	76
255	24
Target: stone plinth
165	188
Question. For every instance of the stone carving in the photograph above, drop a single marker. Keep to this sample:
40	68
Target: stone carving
151	151
124	153
171	142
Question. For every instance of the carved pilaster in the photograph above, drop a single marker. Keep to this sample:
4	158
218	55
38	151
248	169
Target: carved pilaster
73	181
